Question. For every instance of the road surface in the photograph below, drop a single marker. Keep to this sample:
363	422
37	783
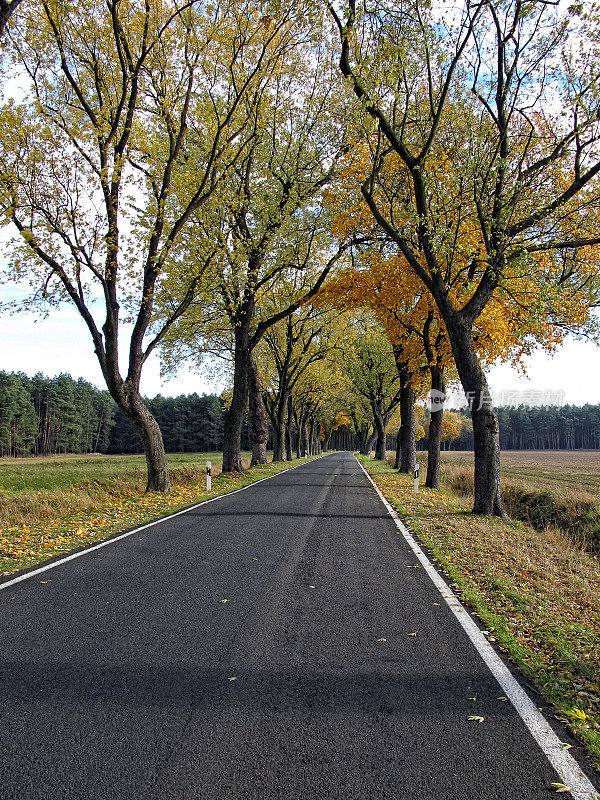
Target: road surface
278	643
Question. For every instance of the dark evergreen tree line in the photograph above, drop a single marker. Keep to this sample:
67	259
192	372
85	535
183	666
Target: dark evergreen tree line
540	428
44	416
550	428
188	423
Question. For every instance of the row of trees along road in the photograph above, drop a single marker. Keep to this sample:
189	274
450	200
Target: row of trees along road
190	175
117	163
480	165
44	416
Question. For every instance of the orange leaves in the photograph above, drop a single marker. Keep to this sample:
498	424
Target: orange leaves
387	286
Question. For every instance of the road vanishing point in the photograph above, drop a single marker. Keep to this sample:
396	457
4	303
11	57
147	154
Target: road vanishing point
279	643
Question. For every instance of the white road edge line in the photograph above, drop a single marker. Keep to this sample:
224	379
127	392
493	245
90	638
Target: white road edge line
569	771
87	550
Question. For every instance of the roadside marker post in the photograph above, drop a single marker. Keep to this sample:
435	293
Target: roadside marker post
416	479
208	478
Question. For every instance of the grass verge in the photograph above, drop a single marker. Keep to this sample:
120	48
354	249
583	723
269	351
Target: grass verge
41	524
537	593
557	489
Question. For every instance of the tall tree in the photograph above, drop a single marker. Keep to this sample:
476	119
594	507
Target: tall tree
371	368
306	337
97	171
268	215
462	114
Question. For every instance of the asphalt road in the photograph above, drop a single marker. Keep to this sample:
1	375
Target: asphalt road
333	670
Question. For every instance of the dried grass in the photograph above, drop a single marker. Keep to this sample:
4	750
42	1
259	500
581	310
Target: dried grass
115	476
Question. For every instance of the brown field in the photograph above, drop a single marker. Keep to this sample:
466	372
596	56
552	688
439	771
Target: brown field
545	488
550	470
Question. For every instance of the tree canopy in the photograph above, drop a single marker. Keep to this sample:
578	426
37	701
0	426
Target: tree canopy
224	181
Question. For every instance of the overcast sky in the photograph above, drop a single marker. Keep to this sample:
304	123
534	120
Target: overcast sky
61	343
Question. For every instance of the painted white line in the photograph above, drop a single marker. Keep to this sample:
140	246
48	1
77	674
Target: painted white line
568	769
87	550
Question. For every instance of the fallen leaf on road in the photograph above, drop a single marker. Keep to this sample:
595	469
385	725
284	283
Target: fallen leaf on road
565	746
255	559
474	718
560	787
504	699
472	698
233	678
382	640
413	634
312	587
44	581
223	601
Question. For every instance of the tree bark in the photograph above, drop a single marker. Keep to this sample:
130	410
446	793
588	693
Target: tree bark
398	449
369	442
130	401
288	431
278	434
7	7
432	481
259	423
379	424
234	418
303	443
363	440
314	440
408	445
488	498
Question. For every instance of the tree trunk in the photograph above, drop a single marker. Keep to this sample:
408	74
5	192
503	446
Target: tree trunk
432	481
369	442
6	9
132	405
486	441
379	425
364	440
314	439
288	431
234	418
398	449
303	444
259	423
278	434
408	445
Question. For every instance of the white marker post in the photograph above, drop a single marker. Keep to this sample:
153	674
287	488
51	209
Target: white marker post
208	479
416	479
